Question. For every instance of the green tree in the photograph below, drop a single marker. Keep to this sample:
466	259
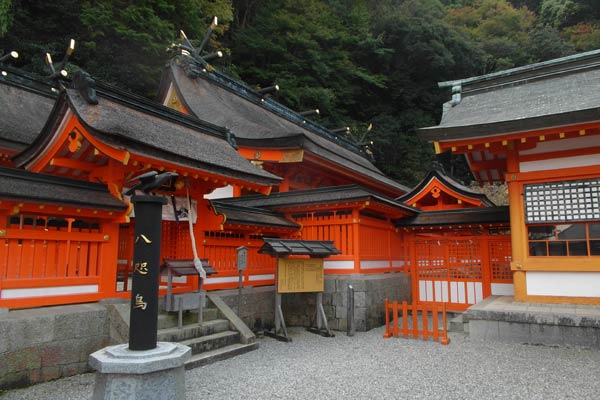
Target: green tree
5	16
423	49
316	51
501	30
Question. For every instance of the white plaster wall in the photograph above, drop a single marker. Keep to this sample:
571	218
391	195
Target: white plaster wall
220	193
559	163
47	291
570	284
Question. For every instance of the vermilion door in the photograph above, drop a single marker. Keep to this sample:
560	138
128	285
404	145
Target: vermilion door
461	271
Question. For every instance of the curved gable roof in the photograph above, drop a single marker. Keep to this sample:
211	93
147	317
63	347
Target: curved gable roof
128	122
449	185
255	121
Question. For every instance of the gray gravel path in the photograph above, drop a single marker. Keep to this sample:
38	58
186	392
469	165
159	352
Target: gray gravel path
367	366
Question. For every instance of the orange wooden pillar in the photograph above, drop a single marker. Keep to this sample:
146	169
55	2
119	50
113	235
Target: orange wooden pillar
486	267
107	285
517	225
356	239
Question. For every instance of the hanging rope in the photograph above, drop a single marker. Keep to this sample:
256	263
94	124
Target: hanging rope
197	262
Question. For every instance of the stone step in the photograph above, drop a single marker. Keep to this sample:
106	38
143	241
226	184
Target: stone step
212	342
193	330
209	357
170	320
458	324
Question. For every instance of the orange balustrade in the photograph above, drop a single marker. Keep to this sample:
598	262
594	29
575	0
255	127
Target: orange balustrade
418	325
44	264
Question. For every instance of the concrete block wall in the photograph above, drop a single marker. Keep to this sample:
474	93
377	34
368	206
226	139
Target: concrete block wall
38	345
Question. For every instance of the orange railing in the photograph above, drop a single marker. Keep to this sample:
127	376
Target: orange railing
42	264
418	324
329	225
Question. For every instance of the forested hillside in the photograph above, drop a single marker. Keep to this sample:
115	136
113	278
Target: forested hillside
360	62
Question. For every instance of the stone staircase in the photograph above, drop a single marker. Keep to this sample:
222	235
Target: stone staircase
221	334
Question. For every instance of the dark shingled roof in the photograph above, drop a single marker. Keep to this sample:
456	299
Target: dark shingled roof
20	185
327	195
25	104
558	92
236	214
129	122
149	128
483	215
257	122
450	183
288	247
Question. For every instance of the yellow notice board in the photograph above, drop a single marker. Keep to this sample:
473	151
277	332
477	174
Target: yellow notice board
300	275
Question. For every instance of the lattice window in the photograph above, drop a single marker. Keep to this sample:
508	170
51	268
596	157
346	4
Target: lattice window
464	259
567	201
500	258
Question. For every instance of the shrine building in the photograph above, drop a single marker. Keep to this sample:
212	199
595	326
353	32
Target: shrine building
255	169
537	128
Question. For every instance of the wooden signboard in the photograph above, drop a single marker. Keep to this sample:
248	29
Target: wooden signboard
300	275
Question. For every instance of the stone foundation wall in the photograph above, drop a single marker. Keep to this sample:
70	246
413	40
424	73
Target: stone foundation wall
47	343
257	306
499	318
370	291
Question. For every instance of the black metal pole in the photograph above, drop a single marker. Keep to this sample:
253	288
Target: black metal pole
146	262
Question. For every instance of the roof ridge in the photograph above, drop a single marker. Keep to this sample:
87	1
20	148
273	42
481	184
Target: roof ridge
555	66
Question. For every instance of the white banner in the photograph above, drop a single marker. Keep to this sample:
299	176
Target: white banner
168	211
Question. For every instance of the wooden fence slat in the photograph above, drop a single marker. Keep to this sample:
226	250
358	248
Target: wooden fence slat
14	258
51	259
3	258
393	328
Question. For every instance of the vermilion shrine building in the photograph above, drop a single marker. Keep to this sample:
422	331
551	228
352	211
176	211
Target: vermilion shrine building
258	169
537	128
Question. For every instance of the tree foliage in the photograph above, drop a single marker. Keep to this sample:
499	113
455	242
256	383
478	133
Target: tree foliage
5	16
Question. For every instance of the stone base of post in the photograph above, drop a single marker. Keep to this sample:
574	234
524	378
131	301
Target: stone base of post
147	374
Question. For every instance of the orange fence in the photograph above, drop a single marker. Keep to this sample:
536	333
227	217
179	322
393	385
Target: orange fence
371	243
329	225
417	324
45	261
220	250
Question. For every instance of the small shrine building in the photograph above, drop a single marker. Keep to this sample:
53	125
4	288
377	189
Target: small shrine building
537	127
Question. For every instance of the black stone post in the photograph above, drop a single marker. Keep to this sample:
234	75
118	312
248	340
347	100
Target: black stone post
146	263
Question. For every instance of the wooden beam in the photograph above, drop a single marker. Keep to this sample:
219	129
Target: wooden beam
72	164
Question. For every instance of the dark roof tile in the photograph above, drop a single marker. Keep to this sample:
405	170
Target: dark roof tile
236	214
20	185
485	215
221	100
553	93
25	105
146	128
325	195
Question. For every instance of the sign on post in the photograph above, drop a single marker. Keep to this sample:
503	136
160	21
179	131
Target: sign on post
242	258
297	275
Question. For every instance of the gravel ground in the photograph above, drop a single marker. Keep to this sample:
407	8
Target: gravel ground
367	366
